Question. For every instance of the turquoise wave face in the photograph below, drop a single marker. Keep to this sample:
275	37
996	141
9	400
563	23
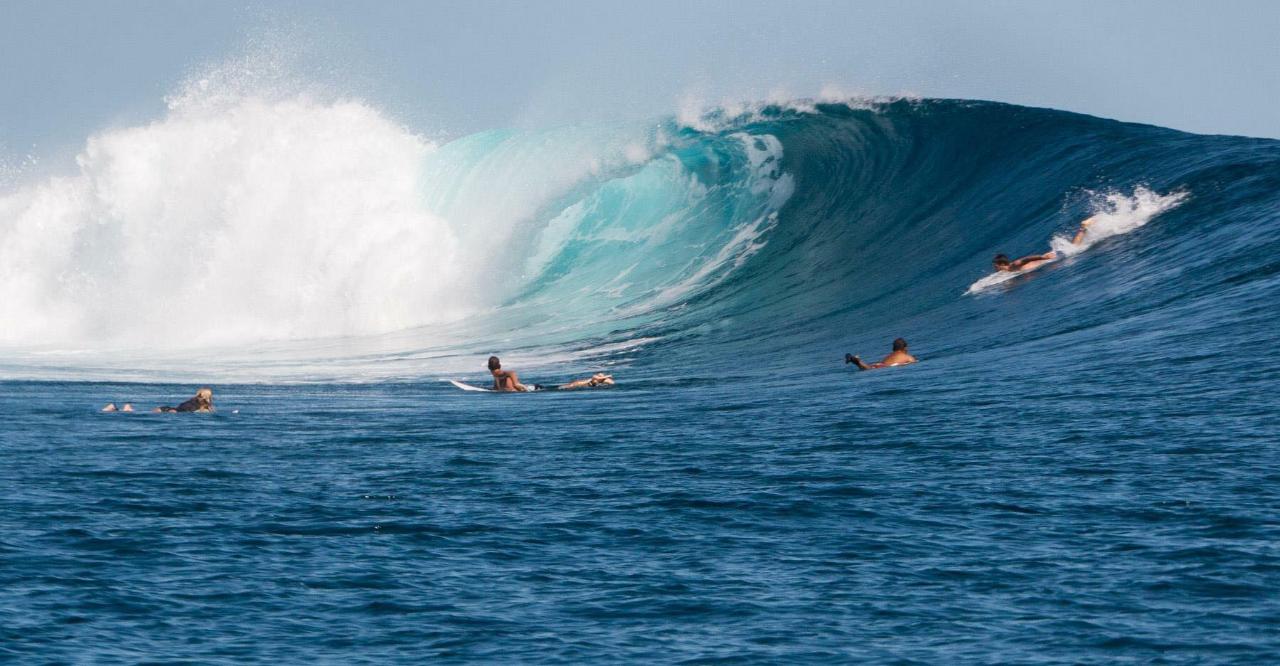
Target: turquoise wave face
582	228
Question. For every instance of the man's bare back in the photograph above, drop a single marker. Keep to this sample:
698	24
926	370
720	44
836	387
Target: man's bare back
1028	263
504	380
898	356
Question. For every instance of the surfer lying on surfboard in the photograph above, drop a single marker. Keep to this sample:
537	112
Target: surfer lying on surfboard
1031	262
899	356
598	379
202	402
507	380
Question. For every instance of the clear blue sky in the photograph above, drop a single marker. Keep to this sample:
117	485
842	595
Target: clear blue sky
70	68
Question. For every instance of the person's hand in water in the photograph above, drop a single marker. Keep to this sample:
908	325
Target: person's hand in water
857	360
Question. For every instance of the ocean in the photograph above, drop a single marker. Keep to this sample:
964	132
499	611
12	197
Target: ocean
1082	468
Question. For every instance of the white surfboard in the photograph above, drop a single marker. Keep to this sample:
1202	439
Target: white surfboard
468	387
1001	277
991	281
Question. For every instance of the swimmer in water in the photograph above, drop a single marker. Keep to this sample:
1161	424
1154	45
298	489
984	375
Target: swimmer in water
202	402
596	380
899	356
1003	264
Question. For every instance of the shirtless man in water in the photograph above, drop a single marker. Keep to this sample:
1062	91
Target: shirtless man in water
506	380
899	356
1003	264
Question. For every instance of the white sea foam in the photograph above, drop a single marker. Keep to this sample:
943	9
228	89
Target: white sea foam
257	220
1115	214
254	212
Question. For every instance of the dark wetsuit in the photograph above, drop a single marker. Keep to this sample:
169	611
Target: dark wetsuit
192	405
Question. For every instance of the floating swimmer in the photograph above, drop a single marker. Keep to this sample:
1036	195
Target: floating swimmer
898	356
598	379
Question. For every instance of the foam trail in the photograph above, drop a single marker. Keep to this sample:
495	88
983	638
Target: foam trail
1115	214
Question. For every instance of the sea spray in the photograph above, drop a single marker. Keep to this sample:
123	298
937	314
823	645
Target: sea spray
1115	214
240	218
254	221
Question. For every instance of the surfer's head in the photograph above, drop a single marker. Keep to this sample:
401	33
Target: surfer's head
1001	262
900	344
205	396
494	363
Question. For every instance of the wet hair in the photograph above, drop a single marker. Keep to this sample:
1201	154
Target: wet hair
1001	260
494	363
205	396
900	344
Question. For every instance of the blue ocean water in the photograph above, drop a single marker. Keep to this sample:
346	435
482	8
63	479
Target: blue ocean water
1083	468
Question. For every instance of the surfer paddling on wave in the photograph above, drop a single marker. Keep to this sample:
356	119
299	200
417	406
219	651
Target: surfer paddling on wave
1003	264
1031	262
898	356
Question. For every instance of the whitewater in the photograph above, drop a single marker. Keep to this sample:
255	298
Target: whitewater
1081	468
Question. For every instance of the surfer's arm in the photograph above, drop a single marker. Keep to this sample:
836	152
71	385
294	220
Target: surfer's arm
1084	227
